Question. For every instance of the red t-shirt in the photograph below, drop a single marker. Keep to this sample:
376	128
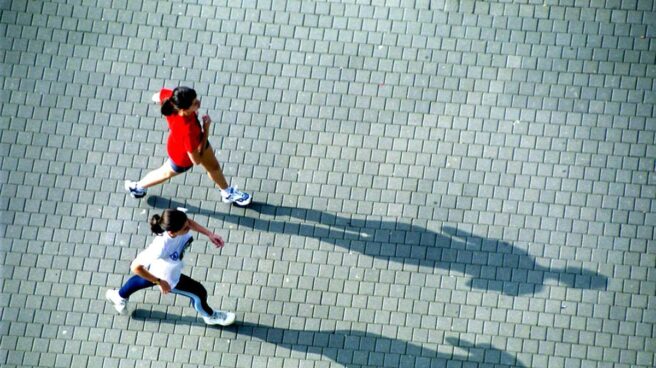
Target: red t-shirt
185	134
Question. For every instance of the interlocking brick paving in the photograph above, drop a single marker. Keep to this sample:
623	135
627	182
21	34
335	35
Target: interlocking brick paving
437	183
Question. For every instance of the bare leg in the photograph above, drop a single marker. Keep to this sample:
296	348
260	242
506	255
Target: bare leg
209	162
157	176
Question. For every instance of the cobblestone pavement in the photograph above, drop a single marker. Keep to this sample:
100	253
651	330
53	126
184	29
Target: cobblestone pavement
438	183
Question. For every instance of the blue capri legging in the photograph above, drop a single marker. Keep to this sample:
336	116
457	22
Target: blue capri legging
187	286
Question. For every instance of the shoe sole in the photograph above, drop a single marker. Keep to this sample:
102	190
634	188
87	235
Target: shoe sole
240	204
137	196
224	324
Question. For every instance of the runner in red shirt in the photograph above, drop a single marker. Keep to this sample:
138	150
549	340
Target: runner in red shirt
187	146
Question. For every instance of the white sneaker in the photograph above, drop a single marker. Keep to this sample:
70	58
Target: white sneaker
134	190
233	195
120	304
220	318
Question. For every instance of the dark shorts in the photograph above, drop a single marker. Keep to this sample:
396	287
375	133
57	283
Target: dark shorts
181	169
176	168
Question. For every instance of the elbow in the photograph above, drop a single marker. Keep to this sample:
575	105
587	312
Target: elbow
195	158
136	268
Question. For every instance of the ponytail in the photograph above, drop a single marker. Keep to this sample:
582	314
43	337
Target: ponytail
170	220
168	108
156	225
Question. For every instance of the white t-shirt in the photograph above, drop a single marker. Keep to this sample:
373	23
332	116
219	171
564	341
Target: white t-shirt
163	257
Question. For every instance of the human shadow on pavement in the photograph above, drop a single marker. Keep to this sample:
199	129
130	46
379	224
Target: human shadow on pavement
352	348
492	264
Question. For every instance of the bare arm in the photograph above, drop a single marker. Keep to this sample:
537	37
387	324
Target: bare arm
217	240
206	132
140	270
195	155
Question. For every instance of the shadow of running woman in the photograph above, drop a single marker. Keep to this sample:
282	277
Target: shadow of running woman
492	264
352	348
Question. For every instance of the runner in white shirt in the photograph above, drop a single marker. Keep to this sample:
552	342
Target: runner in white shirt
161	264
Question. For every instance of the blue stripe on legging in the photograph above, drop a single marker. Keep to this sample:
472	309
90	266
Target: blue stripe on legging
195	301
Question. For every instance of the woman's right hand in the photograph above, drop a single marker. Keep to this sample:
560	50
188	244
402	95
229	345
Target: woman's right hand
217	240
164	287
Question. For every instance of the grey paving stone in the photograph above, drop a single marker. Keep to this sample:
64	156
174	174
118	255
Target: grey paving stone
528	127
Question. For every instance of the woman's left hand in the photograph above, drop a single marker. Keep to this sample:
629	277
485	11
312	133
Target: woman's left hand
217	240
206	121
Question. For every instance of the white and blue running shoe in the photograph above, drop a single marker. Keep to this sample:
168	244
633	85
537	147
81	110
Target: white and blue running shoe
233	195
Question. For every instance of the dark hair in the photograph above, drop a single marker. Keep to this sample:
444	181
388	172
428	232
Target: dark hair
182	98
170	220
